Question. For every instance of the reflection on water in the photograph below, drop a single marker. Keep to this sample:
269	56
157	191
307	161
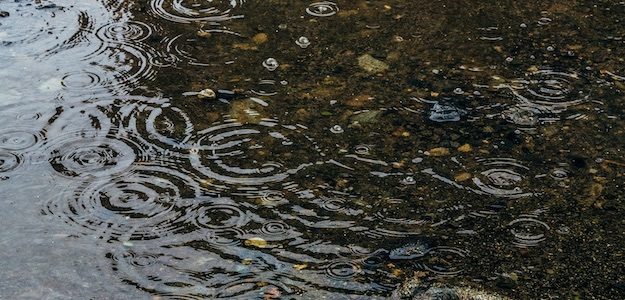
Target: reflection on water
247	149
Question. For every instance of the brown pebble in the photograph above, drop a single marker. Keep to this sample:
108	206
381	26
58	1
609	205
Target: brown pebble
260	38
440	151
244	46
203	34
464	176
465	148
359	101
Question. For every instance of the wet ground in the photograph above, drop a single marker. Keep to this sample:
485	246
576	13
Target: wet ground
179	149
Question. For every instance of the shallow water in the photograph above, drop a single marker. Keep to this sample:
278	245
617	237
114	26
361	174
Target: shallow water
353	149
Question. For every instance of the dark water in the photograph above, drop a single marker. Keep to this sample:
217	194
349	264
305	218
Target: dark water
353	150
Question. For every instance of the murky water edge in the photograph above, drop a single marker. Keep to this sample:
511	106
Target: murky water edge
342	150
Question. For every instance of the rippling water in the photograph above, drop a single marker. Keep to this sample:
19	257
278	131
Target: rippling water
184	149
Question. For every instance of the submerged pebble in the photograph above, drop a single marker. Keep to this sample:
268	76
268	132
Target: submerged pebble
46	5
445	113
260	38
256	242
440	151
464	176
507	280
207	94
418	288
409	251
367	117
371	64
203	34
465	148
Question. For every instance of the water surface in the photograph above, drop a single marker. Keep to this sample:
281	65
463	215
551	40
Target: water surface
350	150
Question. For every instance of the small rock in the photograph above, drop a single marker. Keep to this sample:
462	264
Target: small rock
203	34
523	116
260	38
415	288
207	94
244	46
372	65
256	242
466	148
401	132
438	293
4	14
594	193
409	251
46	6
359	101
445	113
464	176
247	111
477	294
440	151
370	117
507	280
300	267
272	293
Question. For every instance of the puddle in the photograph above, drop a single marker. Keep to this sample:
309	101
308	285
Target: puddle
185	149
